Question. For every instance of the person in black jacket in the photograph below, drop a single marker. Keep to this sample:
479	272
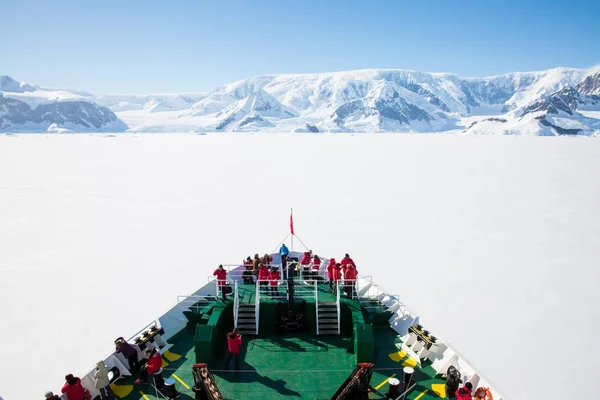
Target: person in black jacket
453	381
51	396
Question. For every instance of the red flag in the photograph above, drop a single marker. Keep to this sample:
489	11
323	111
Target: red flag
291	223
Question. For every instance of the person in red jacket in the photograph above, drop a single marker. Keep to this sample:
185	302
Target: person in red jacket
221	275
336	275
347	261
234	342
73	388
263	278
330	267
316	266
350	275
305	262
274	277
464	393
152	368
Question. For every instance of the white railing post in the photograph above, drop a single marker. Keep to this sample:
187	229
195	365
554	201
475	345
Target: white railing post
236	305
257	305
338	306
317	305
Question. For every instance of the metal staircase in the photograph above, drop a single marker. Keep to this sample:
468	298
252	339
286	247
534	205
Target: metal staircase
328	319
246	322
245	314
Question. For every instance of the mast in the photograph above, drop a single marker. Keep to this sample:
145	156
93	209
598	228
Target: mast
292	226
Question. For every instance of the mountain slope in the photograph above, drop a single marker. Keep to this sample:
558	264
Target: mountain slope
24	108
541	102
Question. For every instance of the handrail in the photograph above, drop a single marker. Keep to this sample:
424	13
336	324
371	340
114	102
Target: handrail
337	301
190	301
317	305
257	306
236	305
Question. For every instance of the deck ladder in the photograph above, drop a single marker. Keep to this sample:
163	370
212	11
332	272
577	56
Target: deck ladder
328	315
247	315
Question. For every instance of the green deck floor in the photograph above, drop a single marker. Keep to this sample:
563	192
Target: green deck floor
292	365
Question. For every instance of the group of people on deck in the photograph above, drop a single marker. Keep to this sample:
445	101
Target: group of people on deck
74	390
260	269
346	269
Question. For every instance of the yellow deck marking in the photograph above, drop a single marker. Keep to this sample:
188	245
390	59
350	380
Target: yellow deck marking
171	356
144	396
180	381
439	389
384	382
164	363
398	356
422	394
410	362
121	390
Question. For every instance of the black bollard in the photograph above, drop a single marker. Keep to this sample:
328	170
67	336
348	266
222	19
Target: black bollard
394	389
408	376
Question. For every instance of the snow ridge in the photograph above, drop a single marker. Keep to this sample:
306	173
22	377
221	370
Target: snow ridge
372	100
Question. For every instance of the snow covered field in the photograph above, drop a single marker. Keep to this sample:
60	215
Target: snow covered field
493	240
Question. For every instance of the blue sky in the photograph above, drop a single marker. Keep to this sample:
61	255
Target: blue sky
129	46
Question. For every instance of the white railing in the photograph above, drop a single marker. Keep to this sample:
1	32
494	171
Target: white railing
337	302
236	305
317	304
191	301
366	289
257	306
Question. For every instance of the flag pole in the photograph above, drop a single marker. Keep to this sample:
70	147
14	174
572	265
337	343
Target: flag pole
292	226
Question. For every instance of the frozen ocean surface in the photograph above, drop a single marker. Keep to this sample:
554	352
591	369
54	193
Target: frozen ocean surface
494	241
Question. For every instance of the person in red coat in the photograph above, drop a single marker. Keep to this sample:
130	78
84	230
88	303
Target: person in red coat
305	262
464	393
316	266
73	388
336	275
234	342
350	275
152	368
263	277
347	261
221	275
330	267
274	278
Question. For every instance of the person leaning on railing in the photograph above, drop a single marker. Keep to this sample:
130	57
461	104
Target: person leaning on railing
350	275
316	266
274	278
129	352
221	275
263	277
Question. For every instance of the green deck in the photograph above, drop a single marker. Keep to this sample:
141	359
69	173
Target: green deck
275	366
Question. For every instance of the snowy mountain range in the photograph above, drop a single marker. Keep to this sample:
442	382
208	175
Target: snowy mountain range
560	101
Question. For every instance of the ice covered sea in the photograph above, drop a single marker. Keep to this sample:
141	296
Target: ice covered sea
494	241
